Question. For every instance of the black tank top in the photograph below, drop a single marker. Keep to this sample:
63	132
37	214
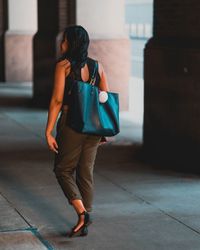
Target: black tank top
69	79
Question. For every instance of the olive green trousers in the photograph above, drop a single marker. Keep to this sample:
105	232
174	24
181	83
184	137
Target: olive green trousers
74	162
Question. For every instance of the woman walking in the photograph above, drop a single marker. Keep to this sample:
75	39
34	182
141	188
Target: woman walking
75	152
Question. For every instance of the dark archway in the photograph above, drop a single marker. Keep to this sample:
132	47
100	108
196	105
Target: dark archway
53	16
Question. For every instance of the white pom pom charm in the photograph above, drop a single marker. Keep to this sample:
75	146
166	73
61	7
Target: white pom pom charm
103	96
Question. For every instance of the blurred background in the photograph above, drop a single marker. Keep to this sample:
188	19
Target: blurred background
150	50
30	41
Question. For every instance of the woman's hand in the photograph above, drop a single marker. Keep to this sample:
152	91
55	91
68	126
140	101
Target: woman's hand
103	140
51	141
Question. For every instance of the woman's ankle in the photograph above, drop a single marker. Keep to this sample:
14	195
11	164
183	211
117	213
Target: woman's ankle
78	205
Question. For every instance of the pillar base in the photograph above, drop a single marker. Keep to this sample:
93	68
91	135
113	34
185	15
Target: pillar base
18	56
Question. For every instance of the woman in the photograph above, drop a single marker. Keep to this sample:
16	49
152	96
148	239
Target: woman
74	152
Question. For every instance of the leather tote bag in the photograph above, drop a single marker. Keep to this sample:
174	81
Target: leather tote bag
86	114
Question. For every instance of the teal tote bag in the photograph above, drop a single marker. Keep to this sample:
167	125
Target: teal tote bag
86	114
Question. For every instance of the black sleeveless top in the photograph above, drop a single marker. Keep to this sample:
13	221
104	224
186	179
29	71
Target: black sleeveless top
69	79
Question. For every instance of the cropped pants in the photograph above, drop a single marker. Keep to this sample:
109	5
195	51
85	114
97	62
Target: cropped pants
74	162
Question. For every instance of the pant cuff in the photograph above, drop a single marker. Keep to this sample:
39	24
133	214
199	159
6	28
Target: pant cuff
74	198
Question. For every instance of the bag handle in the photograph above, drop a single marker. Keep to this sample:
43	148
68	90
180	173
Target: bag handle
93	78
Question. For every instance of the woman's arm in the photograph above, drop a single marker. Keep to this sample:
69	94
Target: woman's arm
103	85
61	71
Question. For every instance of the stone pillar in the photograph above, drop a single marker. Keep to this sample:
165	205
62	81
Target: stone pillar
171	85
18	40
53	17
104	21
3	28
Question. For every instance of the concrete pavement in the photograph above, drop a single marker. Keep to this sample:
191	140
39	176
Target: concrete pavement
136	207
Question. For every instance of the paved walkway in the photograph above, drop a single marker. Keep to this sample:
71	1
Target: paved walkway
137	206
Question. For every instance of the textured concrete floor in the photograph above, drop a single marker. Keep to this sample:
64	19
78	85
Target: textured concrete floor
137	206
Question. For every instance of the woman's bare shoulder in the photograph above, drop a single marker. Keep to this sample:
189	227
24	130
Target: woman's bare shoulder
100	68
63	63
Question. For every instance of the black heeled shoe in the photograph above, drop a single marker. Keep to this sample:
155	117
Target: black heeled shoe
83	230
87	218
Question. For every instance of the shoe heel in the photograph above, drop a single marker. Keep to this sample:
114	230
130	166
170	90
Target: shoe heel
88	220
84	231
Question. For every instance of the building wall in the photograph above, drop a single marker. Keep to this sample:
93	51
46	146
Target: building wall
106	18
109	43
22	15
22	25
138	18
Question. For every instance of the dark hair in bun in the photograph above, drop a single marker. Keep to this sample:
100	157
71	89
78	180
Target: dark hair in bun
78	43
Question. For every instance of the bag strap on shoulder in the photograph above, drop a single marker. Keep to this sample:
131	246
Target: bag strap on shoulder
93	78
94	74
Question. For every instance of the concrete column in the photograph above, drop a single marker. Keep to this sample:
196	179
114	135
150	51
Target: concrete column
22	24
3	28
105	22
53	17
171	85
